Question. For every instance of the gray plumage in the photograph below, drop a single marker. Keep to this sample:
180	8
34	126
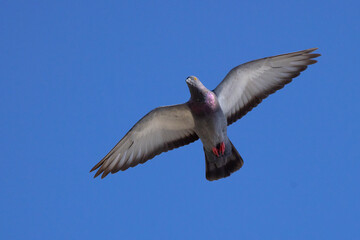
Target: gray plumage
206	116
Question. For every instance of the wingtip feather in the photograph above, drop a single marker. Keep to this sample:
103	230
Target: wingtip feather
94	168
97	173
105	173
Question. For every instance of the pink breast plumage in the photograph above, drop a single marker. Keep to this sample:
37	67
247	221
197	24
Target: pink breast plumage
210	100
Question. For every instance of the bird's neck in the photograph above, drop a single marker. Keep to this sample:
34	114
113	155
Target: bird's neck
204	103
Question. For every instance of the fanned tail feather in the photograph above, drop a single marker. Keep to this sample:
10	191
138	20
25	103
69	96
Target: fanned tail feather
222	168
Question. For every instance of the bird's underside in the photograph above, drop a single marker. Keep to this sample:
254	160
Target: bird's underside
169	127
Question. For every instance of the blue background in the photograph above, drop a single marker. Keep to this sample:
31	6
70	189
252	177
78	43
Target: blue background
76	75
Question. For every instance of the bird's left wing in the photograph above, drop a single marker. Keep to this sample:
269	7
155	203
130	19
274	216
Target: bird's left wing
245	86
161	130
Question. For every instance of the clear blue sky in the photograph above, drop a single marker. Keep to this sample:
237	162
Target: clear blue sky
76	75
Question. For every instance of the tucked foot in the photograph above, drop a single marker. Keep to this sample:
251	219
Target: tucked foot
219	150
222	148
215	151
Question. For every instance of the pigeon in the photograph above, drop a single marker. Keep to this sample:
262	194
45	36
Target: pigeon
206	115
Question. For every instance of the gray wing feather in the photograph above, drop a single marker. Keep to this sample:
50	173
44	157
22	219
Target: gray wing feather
161	130
245	86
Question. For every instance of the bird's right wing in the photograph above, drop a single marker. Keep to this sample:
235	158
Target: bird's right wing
161	130
245	86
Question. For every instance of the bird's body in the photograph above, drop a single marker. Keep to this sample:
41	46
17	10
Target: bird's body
211	127
206	116
210	121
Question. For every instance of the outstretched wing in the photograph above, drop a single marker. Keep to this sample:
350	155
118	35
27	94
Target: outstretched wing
161	130
245	86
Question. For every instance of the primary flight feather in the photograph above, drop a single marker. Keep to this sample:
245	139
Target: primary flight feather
206	116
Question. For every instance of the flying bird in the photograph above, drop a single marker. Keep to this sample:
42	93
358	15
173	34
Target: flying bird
206	116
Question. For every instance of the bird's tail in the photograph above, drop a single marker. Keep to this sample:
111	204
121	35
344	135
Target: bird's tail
217	168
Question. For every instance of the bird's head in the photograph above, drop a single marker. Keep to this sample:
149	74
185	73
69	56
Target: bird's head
197	89
193	81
